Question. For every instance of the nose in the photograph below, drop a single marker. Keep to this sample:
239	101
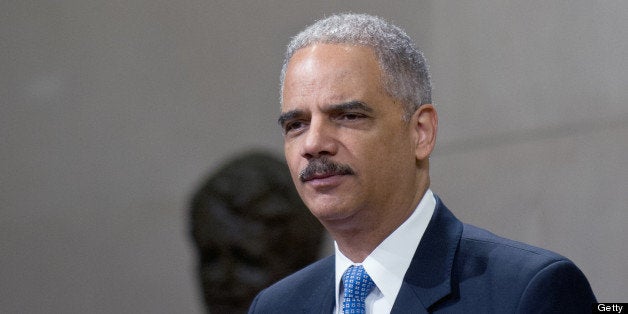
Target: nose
319	140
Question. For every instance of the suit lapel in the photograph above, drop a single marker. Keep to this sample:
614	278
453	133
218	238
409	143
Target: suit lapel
428	278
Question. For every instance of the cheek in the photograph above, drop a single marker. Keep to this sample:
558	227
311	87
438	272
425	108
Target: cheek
387	154
293	165
290	155
378	145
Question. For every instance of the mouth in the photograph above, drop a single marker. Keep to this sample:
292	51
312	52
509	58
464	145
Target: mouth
321	176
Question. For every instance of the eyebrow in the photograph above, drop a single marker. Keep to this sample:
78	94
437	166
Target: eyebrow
288	115
346	106
351	105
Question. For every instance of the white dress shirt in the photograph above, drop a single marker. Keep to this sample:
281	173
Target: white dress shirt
388	263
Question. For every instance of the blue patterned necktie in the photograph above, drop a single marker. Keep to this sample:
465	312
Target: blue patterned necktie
357	285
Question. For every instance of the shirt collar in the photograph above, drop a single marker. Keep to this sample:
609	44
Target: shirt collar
388	263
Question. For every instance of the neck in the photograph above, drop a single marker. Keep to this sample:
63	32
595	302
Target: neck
357	238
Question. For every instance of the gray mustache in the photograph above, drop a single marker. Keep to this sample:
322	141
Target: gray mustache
323	166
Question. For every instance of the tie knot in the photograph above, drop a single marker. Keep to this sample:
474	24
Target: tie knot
357	285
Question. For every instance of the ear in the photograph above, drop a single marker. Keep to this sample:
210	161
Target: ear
425	124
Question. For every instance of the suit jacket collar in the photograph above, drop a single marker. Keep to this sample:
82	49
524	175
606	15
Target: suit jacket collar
428	278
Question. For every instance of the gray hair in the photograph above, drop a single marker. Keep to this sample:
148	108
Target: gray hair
405	70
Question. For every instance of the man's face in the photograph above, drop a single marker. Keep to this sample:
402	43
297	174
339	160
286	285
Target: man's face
336	112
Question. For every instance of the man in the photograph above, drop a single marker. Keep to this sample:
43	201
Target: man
359	128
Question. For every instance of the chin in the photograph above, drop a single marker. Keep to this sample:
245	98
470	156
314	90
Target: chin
331	212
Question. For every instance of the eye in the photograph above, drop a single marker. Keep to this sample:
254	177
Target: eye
350	116
292	126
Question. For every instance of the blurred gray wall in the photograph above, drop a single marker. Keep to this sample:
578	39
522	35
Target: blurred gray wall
112	112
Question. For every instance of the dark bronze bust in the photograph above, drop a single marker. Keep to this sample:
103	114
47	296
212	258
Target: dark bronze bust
251	229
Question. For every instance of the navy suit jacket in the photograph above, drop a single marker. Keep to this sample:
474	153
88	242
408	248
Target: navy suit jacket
457	268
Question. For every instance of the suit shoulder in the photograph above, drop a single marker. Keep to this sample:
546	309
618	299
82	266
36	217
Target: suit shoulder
479	240
305	276
511	276
315	278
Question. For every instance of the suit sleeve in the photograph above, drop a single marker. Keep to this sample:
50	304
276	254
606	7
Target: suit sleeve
559	287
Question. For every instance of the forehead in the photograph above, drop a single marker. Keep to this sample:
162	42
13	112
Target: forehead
331	73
